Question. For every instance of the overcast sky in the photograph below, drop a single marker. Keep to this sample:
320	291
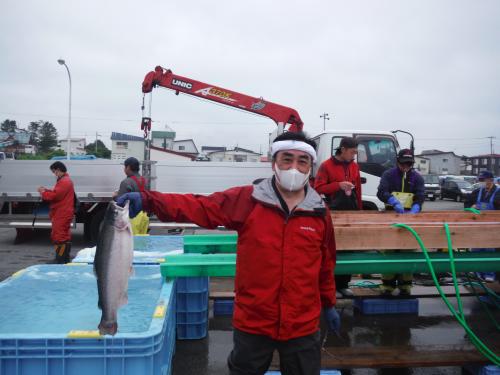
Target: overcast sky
429	67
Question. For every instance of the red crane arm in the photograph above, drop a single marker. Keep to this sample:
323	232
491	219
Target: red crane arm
278	113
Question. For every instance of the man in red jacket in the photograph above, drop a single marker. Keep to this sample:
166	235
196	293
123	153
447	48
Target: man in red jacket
285	258
61	199
338	178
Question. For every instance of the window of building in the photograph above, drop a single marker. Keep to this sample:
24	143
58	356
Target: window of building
423	161
484	161
445	160
475	162
122	145
182	148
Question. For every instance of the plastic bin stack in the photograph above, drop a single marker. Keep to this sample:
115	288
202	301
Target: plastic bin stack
322	372
192	307
223	307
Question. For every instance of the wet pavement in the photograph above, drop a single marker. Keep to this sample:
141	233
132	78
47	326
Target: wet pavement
432	328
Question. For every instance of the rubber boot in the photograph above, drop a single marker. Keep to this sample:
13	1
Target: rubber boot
404	284
388	285
66	253
59	251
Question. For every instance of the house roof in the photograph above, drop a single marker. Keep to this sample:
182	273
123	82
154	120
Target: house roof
437	152
163	134
213	148
125	137
486	156
183	154
236	149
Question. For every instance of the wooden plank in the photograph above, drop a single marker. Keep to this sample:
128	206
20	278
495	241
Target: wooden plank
390	217
387	237
395	356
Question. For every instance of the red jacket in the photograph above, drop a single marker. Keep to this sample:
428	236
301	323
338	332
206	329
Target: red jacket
284	266
61	198
331	172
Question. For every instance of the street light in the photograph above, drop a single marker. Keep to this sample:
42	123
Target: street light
68	146
325	117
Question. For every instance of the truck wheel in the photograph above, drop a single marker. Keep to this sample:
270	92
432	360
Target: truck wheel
433	199
95	226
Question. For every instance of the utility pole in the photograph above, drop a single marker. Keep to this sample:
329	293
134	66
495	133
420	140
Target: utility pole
491	144
325	117
96	135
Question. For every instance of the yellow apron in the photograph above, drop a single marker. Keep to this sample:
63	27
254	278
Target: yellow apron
140	224
406	199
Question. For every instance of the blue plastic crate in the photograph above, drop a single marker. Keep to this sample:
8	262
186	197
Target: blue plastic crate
191	317
192	331
223	307
46	347
322	372
372	306
187	302
192	284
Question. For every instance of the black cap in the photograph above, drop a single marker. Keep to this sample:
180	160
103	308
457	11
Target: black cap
133	163
405	156
485	174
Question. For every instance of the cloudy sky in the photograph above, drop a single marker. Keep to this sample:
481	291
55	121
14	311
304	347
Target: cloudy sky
430	67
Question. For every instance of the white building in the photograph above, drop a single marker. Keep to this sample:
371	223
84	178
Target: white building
162	154
124	146
163	139
422	165
77	146
186	146
236	155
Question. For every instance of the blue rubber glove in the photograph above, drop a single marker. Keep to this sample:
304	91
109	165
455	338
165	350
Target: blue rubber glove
135	205
332	317
415	209
396	204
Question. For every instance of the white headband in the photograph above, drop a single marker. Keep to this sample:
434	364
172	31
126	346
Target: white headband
293	145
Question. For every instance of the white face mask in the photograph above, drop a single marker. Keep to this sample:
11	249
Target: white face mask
291	179
482	184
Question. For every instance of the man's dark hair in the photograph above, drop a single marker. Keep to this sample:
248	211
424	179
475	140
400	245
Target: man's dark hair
58	166
346	142
295	136
133	163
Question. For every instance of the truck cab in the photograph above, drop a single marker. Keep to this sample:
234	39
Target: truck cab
377	151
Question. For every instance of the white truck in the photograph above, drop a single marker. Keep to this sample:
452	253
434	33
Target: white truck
96	180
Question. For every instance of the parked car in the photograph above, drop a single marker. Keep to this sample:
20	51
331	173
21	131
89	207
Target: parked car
455	189
432	187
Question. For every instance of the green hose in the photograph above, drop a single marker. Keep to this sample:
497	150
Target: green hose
459	316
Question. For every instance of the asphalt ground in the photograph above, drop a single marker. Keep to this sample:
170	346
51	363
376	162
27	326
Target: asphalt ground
206	356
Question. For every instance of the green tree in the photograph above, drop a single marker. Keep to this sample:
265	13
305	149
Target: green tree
34	129
48	137
102	151
9	126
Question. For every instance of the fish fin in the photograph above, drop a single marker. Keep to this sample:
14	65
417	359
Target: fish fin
106	328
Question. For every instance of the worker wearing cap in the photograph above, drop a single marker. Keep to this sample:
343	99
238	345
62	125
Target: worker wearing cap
402	189
62	200
338	178
134	182
285	258
485	197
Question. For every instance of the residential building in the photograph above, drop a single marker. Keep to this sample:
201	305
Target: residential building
76	145
237	154
208	149
442	162
17	142
186	146
490	162
163	139
124	146
162	154
422	165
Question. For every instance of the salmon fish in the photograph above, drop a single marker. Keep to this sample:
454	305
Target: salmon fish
113	265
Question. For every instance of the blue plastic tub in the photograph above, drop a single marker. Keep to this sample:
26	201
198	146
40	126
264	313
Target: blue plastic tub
223	307
192	331
188	302
386	306
49	318
191	317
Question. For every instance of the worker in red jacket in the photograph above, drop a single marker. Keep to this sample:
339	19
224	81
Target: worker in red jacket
338	178
61	199
285	258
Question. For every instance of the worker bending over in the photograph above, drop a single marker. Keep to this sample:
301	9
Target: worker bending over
285	258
